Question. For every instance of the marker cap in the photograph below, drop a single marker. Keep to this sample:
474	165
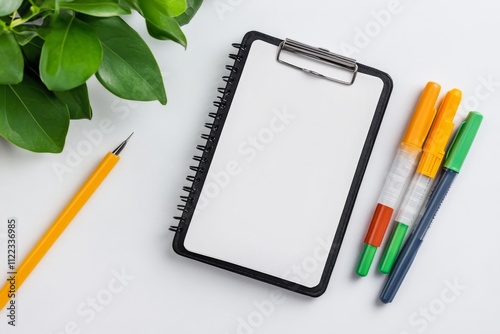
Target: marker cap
366	259
462	142
378	225
392	250
373	239
422	118
435	145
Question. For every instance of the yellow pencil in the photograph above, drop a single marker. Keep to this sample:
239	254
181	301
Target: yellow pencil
61	222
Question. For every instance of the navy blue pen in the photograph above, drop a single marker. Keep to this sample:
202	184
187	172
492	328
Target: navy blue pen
455	158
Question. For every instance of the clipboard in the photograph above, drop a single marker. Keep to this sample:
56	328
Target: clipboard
278	171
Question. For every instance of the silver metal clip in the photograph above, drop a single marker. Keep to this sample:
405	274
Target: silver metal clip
321	55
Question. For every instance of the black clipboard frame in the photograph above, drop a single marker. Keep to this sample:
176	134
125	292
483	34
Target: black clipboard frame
193	192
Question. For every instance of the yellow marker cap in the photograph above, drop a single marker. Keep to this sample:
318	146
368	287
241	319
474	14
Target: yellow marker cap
434	149
422	118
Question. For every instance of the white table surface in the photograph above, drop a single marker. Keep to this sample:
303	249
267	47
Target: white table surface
114	271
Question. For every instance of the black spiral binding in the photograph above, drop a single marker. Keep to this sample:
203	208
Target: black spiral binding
211	138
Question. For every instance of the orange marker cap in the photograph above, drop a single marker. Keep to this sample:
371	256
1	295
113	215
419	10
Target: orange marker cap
434	149
422	118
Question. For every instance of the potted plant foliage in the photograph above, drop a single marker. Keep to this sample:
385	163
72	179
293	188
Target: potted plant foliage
50	48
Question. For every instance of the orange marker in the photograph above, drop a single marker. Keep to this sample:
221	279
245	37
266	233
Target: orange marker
421	183
60	224
402	169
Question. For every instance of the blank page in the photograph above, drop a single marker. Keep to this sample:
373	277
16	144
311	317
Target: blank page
282	169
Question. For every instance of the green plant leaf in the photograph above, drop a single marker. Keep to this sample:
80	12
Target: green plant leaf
71	54
166	28
160	23
9	6
101	8
11	60
130	3
32	52
31	117
192	8
169	8
77	100
24	34
128	69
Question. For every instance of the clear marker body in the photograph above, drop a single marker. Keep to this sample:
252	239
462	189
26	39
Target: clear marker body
408	214
403	165
428	167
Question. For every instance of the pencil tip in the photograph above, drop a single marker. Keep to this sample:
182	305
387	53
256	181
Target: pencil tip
122	145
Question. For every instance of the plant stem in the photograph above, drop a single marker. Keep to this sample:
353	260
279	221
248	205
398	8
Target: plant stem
13	17
34	11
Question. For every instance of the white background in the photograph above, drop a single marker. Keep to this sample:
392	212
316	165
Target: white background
452	286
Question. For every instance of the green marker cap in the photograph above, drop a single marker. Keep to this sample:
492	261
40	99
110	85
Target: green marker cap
462	141
366	259
392	249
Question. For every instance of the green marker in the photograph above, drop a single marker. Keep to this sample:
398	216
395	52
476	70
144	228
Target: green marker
455	158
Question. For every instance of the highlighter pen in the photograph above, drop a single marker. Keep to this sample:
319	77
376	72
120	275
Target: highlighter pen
402	167
454	160
418	191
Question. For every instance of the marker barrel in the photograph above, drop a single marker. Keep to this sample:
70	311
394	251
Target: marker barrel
407	215
402	167
410	248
